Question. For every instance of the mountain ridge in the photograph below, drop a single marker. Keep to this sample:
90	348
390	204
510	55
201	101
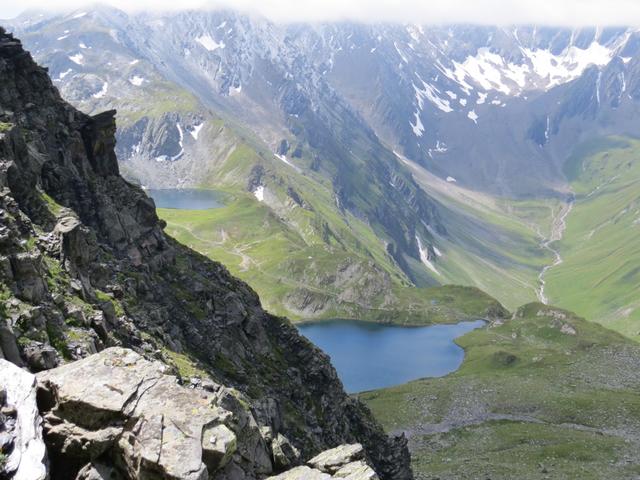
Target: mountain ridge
86	265
335	128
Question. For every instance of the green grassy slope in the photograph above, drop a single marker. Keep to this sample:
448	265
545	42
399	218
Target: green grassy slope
600	274
308	276
543	395
306	256
492	243
310	259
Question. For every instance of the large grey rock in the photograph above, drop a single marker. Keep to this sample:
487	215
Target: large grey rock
284	454
356	471
138	415
301	473
332	460
28	458
8	344
27	271
40	356
344	462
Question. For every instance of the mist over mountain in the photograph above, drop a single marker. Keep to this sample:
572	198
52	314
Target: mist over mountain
441	96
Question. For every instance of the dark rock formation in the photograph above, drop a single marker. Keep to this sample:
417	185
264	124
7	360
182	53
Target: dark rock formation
85	265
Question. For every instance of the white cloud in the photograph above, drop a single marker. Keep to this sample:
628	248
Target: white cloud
495	12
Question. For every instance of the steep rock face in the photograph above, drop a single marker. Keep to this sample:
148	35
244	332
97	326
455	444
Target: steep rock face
84	264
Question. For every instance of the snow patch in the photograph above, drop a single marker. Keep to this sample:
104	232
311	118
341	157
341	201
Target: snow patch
440	147
546	130
424	256
418	128
63	37
82	45
451	180
283	158
451	75
64	74
79	15
486	69
134	62
195	131
414	32
136	80
431	93
473	116
78	58
402	56
209	43
102	92
259	193
463	102
482	97
180	142
569	65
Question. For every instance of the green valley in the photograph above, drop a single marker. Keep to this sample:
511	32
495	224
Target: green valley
494	243
314	276
545	394
599	277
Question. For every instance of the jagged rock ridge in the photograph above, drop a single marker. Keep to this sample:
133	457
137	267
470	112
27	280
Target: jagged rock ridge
84	265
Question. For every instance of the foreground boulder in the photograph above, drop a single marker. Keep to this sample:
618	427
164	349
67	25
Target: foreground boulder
116	408
343	462
116	415
21	443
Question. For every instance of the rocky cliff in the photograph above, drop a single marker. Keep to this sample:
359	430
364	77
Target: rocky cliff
85	265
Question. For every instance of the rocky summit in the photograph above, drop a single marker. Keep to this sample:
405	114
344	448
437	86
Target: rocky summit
152	360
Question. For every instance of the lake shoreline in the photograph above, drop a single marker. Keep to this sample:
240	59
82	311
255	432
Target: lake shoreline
370	356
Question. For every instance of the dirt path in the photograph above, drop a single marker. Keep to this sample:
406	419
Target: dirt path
558	226
447	426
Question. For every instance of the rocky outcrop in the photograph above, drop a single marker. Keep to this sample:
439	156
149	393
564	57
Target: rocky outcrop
343	462
85	265
135	417
140	422
24	455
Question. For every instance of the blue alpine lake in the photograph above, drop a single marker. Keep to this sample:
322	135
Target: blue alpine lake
368	356
186	198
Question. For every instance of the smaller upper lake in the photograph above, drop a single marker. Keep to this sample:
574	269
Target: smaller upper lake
369	356
186	198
